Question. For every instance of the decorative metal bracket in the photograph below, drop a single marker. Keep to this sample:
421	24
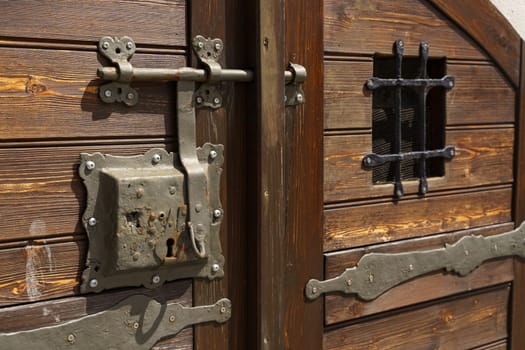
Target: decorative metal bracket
421	85
136	323
376	273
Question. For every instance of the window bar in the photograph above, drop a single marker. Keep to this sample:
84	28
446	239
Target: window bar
422	115
398	186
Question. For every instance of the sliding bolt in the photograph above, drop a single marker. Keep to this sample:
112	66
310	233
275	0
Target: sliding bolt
107	93
93	283
92	221
90	165
215	267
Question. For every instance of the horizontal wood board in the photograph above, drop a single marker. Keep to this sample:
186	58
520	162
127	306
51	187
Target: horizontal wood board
49	313
481	95
462	323
56	97
483	157
360	225
161	22
370	26
339	308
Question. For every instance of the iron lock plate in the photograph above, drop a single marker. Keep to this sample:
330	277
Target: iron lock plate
136	220
138	323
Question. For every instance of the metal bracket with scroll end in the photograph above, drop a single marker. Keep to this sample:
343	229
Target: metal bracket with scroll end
376	273
136	323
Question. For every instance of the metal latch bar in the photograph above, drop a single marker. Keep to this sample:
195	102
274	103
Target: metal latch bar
138	322
376	273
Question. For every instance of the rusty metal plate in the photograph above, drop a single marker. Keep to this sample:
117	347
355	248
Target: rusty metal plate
136	219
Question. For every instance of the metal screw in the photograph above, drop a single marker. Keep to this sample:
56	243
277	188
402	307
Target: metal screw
411	267
218	46
71	338
93	283
136	325
156	158
371	278
198	207
129	45
215	267
217	213
216	100
200	44
172	318
349	282
213	154
173	190
130	96
107	93
223	310
314	290
105	45
90	165
466	252
155	279
300	98
92	221
199	100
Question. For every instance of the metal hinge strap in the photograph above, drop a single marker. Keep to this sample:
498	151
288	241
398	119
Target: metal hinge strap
135	323
376	273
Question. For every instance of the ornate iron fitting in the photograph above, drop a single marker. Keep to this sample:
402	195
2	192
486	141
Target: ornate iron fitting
138	322
376	273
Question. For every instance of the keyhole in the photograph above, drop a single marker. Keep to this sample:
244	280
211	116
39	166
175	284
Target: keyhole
169	243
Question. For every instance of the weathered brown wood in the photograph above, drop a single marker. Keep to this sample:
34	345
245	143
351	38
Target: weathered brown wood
41	193
303	240
490	29
370	26
56	96
462	323
49	313
360	225
483	157
499	345
153	22
339	308
471	101
518	303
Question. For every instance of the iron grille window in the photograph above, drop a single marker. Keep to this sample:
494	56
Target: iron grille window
408	118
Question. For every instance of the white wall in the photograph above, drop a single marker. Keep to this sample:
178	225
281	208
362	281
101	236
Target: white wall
514	10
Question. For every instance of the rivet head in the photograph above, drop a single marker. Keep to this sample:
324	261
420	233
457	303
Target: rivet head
199	99
217	213
92	221
410	267
71	338
300	98
90	165
216	100
401	43
314	290
173	190
93	283
349	282
156	158
213	154
172	318
130	96
371	278
218	46
136	325
198	207
129	45
155	279
215	267
466	252
105	45
108	93
223	310
200	44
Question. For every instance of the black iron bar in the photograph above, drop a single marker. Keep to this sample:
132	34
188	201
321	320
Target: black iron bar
398	186
422	117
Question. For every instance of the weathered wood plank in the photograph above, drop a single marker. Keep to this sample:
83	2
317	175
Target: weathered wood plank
339	308
483	157
499	345
48	313
160	22
490	29
463	323
43	99
370	26
348	105
385	222
41	193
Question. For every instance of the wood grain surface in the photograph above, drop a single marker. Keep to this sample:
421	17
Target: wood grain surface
339	308
463	323
483	157
360	225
